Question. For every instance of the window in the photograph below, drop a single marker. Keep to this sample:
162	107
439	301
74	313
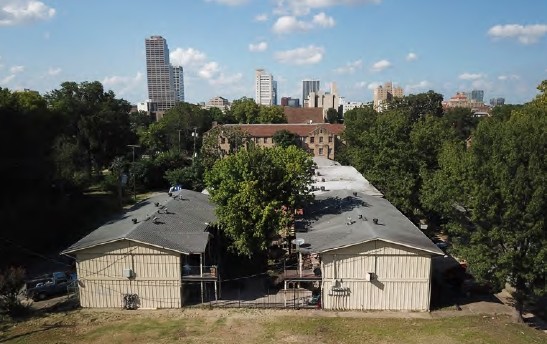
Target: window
320	151
330	139
312	139
222	140
265	140
320	139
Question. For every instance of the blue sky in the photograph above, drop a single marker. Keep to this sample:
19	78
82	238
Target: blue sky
448	46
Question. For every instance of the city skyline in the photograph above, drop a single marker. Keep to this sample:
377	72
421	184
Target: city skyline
358	44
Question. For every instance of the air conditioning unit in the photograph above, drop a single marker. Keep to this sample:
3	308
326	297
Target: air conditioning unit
127	273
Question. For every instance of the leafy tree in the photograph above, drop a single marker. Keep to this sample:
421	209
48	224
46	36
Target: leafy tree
189	177
271	114
11	282
419	105
285	138
245	110
256	192
95	120
493	194
211	150
462	120
333	116
222	117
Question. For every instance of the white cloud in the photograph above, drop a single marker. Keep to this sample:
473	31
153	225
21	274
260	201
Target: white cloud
423	85
323	20
226	79
303	7
229	2
411	56
373	85
526	34
15	12
508	77
350	67
471	76
124	86
258	47
209	70
380	65
301	56
360	84
289	24
262	17
16	69
189	56
53	71
7	79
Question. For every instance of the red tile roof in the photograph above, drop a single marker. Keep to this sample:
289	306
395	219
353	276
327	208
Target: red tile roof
268	130
303	115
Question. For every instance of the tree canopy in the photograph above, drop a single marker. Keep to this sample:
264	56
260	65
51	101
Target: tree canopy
256	191
285	138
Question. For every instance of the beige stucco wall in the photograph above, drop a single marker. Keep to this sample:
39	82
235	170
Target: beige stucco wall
157	275
402	278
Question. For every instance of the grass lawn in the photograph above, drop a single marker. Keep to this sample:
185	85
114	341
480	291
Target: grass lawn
260	326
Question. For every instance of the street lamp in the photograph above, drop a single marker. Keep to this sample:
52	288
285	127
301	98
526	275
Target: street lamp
133	174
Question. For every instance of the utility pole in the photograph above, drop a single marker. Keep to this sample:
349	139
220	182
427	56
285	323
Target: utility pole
179	130
133	174
195	136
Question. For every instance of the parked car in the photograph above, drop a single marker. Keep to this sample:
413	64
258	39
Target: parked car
49	285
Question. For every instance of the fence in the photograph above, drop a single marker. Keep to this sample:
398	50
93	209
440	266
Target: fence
256	292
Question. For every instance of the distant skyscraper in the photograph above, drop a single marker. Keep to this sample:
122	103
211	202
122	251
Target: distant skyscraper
477	96
307	87
264	88
159	73
274	97
178	82
497	101
386	93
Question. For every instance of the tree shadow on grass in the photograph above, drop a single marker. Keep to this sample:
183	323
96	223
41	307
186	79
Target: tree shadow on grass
43	328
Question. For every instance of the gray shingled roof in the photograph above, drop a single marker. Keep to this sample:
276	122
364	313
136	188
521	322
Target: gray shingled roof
182	228
328	229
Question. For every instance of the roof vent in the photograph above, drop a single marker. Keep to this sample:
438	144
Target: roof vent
360	216
355	194
156	220
134	220
375	221
157	204
322	188
323	180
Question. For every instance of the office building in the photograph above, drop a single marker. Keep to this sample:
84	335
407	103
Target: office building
217	102
325	100
384	94
265	91
159	74
288	101
178	82
477	96
307	87
497	101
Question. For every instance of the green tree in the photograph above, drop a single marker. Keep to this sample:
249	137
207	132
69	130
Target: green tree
245	110
211	150
493	195
256	192
333	116
462	120
419	105
11	282
271	114
285	138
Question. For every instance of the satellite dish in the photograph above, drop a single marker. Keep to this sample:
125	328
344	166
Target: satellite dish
298	242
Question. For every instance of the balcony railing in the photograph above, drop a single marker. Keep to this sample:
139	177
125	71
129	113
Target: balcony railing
192	272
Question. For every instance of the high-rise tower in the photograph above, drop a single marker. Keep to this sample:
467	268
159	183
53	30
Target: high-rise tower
265	91
178	81
307	87
159	73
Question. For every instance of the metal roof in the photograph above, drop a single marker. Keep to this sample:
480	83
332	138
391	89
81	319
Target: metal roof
333	222
176	223
332	176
